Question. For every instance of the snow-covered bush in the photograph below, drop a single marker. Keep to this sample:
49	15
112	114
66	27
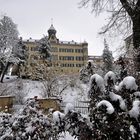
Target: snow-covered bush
126	89
28	124
128	83
78	126
69	107
114	115
108	106
96	88
110	78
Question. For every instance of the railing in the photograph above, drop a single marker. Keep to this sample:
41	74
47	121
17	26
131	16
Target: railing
79	106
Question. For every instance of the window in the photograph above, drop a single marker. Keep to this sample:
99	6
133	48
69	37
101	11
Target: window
78	50
66	58
55	57
54	49
78	65
79	58
34	48
65	50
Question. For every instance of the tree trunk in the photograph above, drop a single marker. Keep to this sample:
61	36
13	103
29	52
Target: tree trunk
4	71
1	67
136	41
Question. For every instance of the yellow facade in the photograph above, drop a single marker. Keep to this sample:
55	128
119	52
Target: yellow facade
6	103
69	56
66	56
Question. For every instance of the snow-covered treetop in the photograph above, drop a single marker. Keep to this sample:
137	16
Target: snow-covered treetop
108	105
58	116
135	111
99	82
69	107
90	61
137	94
110	75
115	97
129	83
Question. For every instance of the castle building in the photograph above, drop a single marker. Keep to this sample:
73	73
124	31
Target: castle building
98	60
67	56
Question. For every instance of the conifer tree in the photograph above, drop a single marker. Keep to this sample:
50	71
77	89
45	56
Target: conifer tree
45	48
107	58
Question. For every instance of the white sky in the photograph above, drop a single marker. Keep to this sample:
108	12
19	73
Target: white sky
33	18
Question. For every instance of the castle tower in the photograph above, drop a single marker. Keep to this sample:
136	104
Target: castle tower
52	34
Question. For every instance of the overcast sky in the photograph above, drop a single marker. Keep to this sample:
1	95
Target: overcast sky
33	18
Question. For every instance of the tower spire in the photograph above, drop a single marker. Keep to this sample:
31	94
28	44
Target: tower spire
105	43
51	21
52	32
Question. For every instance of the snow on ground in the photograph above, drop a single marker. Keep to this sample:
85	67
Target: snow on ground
8	78
32	88
73	94
67	136
35	88
70	95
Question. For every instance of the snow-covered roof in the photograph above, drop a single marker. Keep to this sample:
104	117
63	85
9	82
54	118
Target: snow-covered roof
7	96
60	42
70	42
92	57
30	40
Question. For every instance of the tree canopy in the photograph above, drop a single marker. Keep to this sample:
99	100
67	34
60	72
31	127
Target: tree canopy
124	17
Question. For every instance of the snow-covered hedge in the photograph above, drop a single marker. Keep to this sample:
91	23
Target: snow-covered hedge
114	112
114	115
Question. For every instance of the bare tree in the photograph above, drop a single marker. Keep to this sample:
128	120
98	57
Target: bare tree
55	85
15	88
18	91
124	17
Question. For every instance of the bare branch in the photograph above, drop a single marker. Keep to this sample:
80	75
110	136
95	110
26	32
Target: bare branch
137	9
127	7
